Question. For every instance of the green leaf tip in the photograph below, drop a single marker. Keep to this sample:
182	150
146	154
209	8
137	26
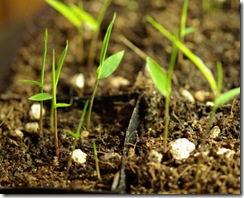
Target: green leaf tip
158	76
40	97
110	65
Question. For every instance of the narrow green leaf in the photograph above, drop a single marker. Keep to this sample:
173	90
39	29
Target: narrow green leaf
195	59
106	41
62	105
32	82
158	76
75	135
41	97
84	16
82	117
189	30
44	57
220	75
66	11
110	64
227	96
60	63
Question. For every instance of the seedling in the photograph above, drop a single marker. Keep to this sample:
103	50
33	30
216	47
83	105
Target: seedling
55	105
96	160
41	96
106	67
76	135
163	83
215	86
76	15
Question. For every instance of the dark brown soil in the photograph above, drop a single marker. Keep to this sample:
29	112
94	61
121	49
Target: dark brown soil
134	110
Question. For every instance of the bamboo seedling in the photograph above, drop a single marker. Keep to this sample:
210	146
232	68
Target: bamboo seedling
41	96
77	16
216	86
96	160
55	105
106	67
76	135
163	83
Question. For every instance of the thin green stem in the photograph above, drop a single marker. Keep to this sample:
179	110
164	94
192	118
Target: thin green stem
96	160
54	109
91	104
93	45
166	121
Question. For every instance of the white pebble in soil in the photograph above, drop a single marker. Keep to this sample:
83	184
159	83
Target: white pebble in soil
32	127
181	148
155	156
35	111
79	156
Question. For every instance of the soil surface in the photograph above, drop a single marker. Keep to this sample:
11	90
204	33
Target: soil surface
128	115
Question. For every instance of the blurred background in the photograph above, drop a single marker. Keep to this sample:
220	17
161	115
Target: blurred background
15	15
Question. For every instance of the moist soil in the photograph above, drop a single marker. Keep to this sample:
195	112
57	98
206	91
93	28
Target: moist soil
127	121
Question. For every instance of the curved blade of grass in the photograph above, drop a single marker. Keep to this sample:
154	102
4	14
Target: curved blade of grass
110	64
32	82
75	135
220	75
40	97
84	16
227	96
158	76
44	57
183	19
195	59
62	105
60	63
65	11
106	41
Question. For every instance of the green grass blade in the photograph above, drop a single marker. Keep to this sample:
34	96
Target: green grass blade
227	96
40	97
183	19
62	105
110	64
195	59
220	75
32	82
82	117
44	57
106	41
84	16
158	76
60	63
66	11
75	135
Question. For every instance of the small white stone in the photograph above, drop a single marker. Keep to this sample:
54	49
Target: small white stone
16	133
32	127
214	132
78	80
35	111
227	152
79	156
155	157
181	148
118	81
209	103
187	95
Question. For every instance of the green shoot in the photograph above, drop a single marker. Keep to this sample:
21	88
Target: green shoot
163	84
106	67
76	15
215	86
99	20
55	105
41	96
76	135
96	160
195	59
